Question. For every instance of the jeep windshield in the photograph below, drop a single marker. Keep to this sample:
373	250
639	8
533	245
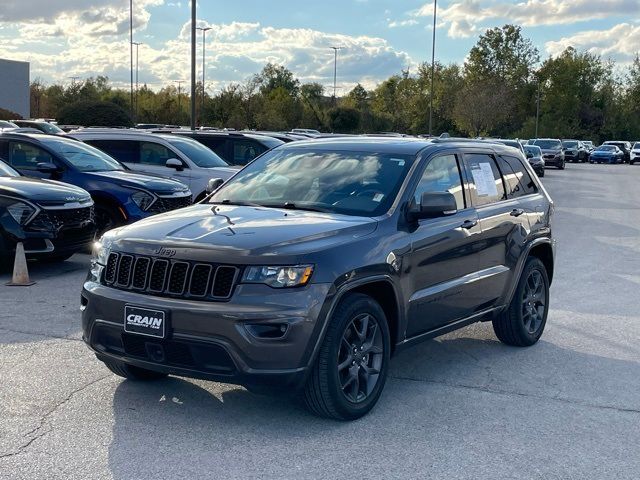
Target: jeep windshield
83	157
548	144
345	182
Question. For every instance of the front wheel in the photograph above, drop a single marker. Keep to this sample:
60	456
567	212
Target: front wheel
351	369
523	322
106	219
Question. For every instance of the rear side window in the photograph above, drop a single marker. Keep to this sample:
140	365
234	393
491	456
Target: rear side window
442	174
125	151
485	180
217	144
25	156
516	178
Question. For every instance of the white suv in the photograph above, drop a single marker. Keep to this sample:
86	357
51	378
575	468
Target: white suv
635	153
179	158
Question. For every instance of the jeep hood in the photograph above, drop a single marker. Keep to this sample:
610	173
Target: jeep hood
241	231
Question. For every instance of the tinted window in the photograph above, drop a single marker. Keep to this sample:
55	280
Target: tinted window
122	150
548	144
25	156
351	183
516	178
215	143
485	179
246	150
441	175
154	154
199	154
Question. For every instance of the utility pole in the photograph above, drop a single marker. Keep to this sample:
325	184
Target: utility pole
179	82
204	32
537	107
193	64
73	80
433	67
131	57
335	70
137	44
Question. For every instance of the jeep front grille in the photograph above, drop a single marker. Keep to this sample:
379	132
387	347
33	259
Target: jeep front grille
170	278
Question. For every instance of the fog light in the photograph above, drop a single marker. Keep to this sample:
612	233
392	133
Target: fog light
268	331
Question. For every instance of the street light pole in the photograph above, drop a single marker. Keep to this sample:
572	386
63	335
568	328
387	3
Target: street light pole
433	66
131	56
335	70
179	82
204	32
193	64
537	108
137	44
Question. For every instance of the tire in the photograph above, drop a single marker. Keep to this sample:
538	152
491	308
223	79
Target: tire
133	373
106	219
335	392
512	326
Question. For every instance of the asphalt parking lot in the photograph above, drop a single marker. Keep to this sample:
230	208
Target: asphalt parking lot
461	406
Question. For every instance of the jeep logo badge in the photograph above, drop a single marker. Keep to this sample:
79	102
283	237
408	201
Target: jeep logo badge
165	252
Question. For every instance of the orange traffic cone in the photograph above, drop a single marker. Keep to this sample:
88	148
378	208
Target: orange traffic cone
20	273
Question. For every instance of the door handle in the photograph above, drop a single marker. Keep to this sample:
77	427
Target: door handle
469	224
516	212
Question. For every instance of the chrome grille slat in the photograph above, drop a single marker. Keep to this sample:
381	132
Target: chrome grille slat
170	278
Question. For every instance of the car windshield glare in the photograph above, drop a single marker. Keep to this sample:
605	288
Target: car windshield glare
533	149
548	144
606	148
570	144
83	157
345	182
198	153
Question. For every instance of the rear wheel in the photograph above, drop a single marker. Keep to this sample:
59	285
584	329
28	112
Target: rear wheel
351	369
523	322
131	372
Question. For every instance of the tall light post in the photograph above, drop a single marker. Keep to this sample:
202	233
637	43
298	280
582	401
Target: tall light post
179	82
193	64
537	106
335	70
131	54
204	31
433	66
137	44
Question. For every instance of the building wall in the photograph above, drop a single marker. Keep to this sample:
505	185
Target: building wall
14	86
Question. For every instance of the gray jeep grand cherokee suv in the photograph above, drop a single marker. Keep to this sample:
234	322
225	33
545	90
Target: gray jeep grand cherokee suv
319	260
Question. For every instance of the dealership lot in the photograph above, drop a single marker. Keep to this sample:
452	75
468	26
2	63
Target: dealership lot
460	406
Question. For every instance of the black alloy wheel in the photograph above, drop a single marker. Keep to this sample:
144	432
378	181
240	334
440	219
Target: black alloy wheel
360	357
534	302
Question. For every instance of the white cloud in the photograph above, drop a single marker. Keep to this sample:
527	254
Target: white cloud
622	42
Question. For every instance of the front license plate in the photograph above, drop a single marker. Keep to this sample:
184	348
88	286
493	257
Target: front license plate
144	321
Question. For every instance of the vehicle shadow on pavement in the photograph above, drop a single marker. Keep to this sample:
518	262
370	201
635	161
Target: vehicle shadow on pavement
205	425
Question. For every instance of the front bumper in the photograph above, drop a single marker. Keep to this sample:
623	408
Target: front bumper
553	161
213	340
45	243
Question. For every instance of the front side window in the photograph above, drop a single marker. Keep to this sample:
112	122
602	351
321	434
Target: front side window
485	180
25	156
154	154
347	182
125	151
442	174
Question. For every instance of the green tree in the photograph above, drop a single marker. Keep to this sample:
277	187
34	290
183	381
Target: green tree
344	120
92	113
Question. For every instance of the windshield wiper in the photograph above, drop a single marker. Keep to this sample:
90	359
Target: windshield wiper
308	208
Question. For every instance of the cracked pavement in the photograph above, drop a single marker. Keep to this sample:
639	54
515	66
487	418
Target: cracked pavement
461	406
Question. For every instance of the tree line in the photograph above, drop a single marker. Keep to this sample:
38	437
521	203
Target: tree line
495	92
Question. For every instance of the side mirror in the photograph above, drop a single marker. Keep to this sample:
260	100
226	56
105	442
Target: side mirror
214	184
433	205
47	167
175	163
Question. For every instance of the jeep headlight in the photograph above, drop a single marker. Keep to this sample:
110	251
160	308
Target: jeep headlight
143	200
21	212
101	251
279	276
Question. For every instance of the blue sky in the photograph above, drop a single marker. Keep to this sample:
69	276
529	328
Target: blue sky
90	37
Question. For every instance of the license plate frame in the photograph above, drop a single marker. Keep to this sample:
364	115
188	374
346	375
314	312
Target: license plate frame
149	322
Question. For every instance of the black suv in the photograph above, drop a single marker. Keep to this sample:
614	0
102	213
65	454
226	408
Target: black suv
575	151
319	260
234	147
52	219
